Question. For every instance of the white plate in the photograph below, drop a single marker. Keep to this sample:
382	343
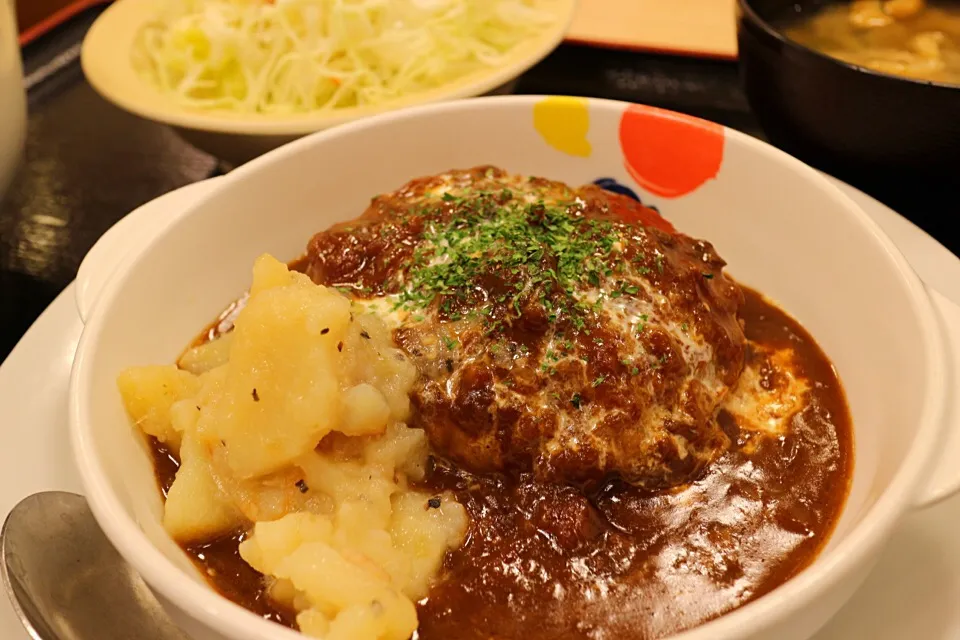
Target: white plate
913	592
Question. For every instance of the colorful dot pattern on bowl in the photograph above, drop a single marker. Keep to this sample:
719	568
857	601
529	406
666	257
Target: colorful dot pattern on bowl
667	154
611	184
564	122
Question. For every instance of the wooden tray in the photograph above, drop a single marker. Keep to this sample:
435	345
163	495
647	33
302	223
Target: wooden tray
689	27
37	17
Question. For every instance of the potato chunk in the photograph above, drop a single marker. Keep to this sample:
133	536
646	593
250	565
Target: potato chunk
424	534
207	356
281	395
353	596
149	392
197	509
366	411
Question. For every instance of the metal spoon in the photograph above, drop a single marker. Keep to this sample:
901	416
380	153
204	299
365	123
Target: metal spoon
67	582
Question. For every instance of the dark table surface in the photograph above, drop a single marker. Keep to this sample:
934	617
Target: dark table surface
87	163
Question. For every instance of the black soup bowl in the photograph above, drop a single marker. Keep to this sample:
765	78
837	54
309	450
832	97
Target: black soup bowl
859	125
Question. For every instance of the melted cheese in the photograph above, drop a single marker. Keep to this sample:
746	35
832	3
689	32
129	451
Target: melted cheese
766	408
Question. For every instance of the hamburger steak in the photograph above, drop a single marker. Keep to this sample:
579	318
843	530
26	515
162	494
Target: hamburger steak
568	333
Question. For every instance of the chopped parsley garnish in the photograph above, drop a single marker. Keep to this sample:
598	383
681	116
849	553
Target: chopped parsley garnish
631	367
575	401
537	251
642	324
599	380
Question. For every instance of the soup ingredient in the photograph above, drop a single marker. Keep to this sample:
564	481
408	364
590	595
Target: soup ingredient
294	56
900	9
293	430
879	13
900	37
566	332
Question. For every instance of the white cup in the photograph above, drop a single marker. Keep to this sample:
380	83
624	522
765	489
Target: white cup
13	97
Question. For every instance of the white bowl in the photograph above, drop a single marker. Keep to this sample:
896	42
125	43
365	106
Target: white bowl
782	227
107	61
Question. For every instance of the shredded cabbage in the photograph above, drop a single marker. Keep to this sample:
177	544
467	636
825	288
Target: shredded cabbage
289	56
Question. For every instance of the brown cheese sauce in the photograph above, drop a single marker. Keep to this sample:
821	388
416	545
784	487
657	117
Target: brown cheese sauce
545	561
